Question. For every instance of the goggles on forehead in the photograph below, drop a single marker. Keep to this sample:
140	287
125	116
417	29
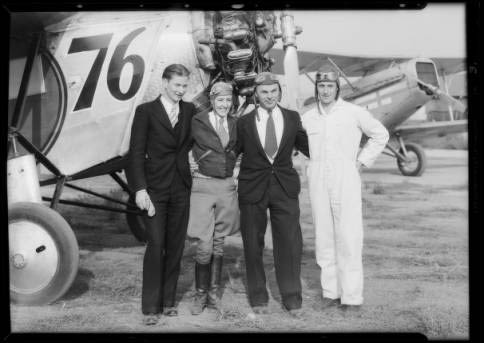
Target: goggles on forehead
265	78
327	76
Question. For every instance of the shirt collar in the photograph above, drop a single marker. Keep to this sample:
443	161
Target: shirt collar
337	103
215	116
264	113
168	104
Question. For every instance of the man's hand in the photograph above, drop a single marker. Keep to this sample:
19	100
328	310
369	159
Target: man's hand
193	166
359	166
143	201
192	163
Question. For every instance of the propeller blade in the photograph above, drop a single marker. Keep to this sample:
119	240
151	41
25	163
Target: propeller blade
456	104
291	73
291	65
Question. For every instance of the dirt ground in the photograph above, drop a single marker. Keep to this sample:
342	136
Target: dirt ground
415	262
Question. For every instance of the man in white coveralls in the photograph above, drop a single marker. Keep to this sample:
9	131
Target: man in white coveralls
334	129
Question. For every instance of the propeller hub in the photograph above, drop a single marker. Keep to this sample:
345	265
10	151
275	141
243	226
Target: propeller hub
19	261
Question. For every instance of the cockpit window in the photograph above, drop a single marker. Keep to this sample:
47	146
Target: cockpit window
426	72
45	103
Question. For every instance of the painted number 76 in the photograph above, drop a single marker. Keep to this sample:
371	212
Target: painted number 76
118	61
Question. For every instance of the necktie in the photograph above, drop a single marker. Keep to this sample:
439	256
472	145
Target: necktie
270	145
173	115
222	133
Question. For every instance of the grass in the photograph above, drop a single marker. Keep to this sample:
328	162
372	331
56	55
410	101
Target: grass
374	188
78	215
437	324
415	262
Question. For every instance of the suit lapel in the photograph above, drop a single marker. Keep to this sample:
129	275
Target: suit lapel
205	119
231	122
255	133
161	115
285	131
184	122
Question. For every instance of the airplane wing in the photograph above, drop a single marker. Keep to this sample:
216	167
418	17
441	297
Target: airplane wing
427	129
355	66
25	23
436	32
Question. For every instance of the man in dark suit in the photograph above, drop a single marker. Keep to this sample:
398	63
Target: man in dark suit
160	175
267	180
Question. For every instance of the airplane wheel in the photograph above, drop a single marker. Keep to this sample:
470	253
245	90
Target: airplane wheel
136	224
43	254
418	160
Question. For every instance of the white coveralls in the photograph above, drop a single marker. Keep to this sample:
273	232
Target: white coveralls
335	193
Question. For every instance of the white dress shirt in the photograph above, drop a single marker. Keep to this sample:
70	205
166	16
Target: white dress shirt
261	124
214	120
169	106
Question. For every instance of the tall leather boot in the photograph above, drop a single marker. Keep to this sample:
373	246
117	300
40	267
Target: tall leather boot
202	280
215	281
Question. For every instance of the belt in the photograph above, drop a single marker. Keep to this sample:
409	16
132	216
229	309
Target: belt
200	175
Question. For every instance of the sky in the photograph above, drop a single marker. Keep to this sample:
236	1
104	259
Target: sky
435	31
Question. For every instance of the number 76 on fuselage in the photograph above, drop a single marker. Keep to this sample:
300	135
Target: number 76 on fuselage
110	65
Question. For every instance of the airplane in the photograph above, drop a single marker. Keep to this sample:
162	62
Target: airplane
392	90
393	80
75	79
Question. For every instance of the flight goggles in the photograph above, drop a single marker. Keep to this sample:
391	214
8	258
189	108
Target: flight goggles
221	88
327	76
266	78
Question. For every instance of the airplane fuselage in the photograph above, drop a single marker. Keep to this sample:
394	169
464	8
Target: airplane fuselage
91	73
393	94
88	73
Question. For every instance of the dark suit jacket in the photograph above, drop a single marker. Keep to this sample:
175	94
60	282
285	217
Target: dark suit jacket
155	153
220	161
256	169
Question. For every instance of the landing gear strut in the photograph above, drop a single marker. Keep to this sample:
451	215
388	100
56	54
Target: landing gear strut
411	158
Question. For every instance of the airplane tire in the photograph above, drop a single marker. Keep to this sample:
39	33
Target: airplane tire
43	254
136	224
417	167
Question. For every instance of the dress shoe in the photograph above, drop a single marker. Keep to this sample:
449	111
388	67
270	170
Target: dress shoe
327	302
260	309
170	311
150	319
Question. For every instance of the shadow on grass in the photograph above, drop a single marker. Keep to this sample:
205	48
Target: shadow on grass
234	275
96	230
80	285
233	271
391	171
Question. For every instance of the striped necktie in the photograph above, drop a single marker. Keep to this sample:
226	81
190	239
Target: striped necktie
270	145
173	116
222	133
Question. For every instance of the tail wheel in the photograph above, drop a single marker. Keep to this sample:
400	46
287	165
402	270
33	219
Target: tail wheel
417	161
43	254
136	224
